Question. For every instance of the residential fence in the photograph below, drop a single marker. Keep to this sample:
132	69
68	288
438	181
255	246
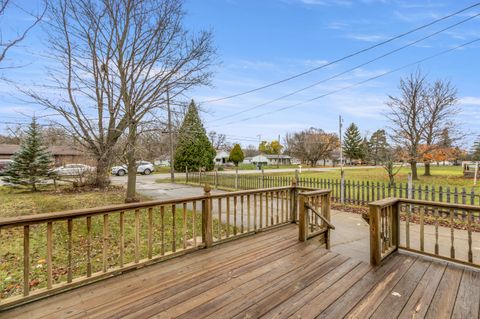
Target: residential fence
343	191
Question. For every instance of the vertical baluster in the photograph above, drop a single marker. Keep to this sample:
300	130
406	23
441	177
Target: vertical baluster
469	230
278	206
242	214
26	260
194	223
174	228
184	224
261	210
150	233
227	200
282	203
255	212
436	231
69	247
272	220
105	243
219	224
248	212
422	227
368	192
452	247
137	235
408	208
234	215
122	237
162	230
89	246
49	254
266	209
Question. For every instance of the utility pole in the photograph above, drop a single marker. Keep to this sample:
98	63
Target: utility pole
170	136
340	122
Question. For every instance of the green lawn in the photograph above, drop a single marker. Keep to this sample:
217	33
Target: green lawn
441	176
15	202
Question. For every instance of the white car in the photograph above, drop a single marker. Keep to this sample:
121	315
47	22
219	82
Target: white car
143	167
72	170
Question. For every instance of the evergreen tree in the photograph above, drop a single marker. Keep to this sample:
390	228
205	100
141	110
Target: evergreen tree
236	154
378	146
194	149
475	153
352	143
31	162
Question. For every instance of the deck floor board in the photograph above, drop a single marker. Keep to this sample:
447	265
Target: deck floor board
272	275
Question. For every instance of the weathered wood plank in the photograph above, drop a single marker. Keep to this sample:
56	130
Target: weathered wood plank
444	299
467	302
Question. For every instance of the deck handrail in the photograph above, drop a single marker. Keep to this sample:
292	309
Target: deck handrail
316	223
392	219
96	243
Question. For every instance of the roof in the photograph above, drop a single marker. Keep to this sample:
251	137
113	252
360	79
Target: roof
278	156
10	149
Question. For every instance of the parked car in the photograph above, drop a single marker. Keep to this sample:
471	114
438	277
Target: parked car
72	170
143	167
3	165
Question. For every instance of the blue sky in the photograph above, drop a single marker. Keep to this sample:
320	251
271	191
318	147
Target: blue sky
259	42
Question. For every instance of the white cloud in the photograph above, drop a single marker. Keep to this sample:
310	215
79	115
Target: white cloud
367	37
470	100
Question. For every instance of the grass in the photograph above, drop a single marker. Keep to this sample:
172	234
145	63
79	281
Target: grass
14	202
441	176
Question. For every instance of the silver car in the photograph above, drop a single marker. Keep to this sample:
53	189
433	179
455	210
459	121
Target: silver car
143	167
72	170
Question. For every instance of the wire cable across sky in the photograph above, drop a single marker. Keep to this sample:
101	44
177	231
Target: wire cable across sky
344	57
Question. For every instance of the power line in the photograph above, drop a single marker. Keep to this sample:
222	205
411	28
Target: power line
344	57
348	70
356	84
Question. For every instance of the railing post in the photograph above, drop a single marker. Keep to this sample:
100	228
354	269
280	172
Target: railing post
216	178
302	219
326	213
207	234
375	240
293	201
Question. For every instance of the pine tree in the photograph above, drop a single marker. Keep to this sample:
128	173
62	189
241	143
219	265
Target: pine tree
378	146
31	162
475	153
194	150
236	154
352	143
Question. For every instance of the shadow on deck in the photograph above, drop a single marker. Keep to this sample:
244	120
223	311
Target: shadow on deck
269	275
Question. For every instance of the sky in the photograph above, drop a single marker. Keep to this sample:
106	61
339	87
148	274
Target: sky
260	42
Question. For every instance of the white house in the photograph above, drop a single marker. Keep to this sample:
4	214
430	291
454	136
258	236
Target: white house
221	158
279	159
259	160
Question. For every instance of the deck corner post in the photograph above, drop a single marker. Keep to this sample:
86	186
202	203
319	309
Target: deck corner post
207	225
326	212
293	200
375	240
302	219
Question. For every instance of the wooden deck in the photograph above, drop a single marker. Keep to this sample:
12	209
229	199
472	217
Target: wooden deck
272	275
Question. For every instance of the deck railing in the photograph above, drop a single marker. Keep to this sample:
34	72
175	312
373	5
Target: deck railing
67	249
446	231
314	215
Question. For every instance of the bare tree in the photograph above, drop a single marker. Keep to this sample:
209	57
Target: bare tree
440	112
311	145
7	43
407	117
118	60
219	141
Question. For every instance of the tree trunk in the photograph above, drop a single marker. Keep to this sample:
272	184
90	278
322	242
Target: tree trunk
131	196
102	179
413	167
427	170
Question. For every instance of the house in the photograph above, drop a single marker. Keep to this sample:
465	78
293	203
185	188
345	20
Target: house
279	159
61	154
259	160
221	158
